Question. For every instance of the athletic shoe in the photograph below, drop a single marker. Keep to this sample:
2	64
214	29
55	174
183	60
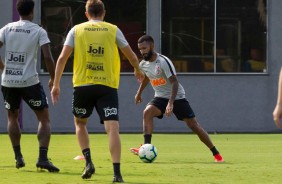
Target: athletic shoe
135	151
218	158
46	164
19	162
118	179
88	171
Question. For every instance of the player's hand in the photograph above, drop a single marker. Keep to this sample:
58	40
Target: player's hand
139	75
138	99
277	115
169	110
55	93
50	84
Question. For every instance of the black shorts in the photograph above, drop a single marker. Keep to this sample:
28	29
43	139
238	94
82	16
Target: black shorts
34	96
103	98
181	107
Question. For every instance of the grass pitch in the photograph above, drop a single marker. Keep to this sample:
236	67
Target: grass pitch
250	158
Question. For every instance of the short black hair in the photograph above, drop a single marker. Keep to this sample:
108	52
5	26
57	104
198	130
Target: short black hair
25	7
146	38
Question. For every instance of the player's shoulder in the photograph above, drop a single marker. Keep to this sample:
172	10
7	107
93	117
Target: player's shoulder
142	62
163	57
81	24
10	25
109	24
23	26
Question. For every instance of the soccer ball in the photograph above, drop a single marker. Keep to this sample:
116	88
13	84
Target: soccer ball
148	153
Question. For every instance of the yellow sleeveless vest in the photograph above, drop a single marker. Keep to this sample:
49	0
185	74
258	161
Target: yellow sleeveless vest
96	56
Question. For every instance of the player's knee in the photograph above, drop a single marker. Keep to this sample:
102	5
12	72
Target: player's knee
13	115
148	114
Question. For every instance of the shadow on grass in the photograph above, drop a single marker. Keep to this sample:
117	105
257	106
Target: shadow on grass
43	171
146	182
183	163
7	166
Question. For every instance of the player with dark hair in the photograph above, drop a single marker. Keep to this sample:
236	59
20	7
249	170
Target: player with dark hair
20	80
169	95
96	76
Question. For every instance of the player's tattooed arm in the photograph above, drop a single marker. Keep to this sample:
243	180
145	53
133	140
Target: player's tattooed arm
173	80
169	108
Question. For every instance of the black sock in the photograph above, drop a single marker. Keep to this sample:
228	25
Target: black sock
87	155
116	169
43	153
17	151
147	138
214	151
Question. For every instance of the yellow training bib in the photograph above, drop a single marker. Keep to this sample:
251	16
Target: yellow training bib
96	56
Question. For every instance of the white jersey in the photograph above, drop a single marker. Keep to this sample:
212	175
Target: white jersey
21	40
158	72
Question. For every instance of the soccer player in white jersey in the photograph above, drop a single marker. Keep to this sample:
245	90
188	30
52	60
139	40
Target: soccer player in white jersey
20	80
169	95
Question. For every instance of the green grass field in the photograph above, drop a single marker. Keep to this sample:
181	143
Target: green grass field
250	158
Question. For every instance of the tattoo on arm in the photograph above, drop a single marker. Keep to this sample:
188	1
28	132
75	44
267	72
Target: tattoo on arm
173	80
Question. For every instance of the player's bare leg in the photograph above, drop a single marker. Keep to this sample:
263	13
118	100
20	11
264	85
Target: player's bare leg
197	129
15	136
112	129
83	141
149	113
204	137
44	129
43	136
81	133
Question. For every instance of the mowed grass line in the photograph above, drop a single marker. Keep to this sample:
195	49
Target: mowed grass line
250	158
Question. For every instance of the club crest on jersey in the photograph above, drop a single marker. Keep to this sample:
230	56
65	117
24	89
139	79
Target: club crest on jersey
7	105
158	70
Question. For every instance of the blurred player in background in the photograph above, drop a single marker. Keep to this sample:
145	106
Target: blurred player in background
20	80
169	95
277	113
96	75
1	65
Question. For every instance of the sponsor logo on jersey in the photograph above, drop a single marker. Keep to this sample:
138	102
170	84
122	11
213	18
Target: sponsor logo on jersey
96	50
109	112
158	82
14	71
97	78
16	57
95	66
96	29
19	30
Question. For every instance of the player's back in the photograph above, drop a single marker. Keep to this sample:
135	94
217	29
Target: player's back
21	40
